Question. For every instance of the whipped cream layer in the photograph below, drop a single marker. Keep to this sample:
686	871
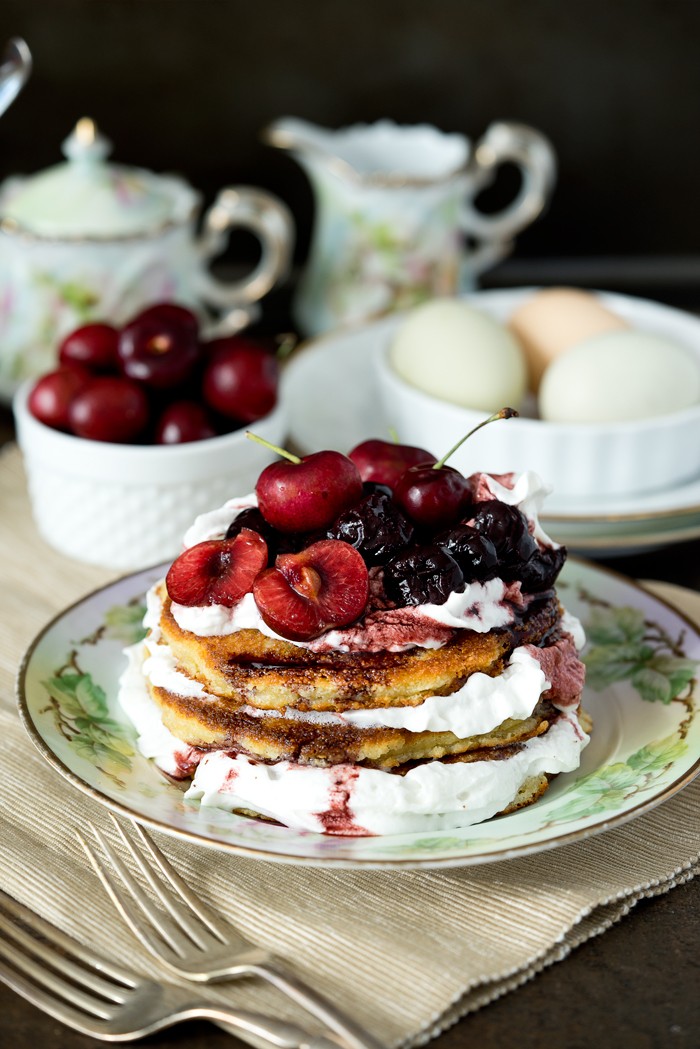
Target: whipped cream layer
154	740
479	606
351	800
347	799
481	704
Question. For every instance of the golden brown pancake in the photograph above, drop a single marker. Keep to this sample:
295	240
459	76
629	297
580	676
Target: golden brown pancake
248	667
221	724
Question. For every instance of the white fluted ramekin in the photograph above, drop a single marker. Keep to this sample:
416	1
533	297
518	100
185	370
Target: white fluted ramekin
643	455
127	506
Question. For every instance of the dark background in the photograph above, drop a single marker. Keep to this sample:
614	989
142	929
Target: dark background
187	86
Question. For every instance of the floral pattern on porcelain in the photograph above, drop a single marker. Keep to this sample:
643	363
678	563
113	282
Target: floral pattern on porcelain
49	288
644	743
394	212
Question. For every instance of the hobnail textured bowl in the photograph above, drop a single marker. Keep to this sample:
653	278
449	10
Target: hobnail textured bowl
127	506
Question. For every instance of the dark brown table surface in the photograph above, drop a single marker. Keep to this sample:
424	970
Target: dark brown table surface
637	986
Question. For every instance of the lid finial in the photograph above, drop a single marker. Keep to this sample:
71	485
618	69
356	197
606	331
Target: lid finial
86	143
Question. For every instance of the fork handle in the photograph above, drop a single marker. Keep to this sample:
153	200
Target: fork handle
305	1040
353	1036
261	1031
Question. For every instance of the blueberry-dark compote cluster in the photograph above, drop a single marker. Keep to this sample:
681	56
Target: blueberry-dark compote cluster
519	555
376	527
474	552
423	575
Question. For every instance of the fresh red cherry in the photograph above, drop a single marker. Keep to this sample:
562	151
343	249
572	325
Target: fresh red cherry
218	571
435	496
159	347
383	462
171	313
305	495
325	585
184	421
51	396
432	498
240	380
94	346
109	409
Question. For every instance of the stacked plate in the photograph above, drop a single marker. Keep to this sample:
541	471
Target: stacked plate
331	390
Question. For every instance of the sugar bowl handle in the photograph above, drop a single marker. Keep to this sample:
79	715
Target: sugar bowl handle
534	155
265	216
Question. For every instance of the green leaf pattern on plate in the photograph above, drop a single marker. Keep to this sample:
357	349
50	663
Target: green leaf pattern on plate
80	711
626	646
609	786
125	623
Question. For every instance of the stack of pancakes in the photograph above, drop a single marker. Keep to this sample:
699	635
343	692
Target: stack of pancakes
265	698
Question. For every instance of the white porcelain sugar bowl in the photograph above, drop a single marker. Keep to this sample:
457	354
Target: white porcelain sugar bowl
87	239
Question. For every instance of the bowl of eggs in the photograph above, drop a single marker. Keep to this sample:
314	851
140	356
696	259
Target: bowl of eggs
607	386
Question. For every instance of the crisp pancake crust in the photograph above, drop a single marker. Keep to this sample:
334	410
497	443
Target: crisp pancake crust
218	724
248	667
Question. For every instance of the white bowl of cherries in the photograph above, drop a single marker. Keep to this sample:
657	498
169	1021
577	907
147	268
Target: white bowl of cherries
141	429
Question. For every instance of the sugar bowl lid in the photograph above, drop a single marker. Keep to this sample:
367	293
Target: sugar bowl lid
85	197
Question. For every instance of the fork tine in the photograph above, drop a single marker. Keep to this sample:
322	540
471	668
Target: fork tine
52	934
194	929
220	928
138	927
102	987
45	1001
54	982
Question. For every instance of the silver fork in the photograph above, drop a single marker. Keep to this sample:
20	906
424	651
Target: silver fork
102	999
199	944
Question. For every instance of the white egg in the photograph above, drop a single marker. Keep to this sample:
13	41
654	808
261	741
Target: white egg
452	351
619	376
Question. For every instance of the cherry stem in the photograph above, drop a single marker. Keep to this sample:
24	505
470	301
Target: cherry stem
285	344
394	435
505	413
273	447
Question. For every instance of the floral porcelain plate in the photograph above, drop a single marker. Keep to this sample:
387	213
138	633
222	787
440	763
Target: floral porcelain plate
641	658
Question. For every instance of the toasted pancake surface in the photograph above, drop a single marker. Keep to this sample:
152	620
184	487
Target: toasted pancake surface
248	667
203	723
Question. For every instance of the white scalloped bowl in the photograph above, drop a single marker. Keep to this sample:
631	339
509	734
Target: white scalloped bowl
644	455
127	506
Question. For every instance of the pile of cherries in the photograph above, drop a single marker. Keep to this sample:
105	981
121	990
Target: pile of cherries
324	521
155	381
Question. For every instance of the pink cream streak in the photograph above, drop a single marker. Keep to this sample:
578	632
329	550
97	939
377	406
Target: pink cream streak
563	670
186	761
480	488
338	818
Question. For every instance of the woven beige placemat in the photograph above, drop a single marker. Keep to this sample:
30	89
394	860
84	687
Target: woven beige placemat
406	953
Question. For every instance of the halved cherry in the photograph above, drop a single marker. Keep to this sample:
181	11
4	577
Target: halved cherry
325	585
218	571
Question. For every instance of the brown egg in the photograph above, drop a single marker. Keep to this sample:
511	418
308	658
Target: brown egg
554	320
